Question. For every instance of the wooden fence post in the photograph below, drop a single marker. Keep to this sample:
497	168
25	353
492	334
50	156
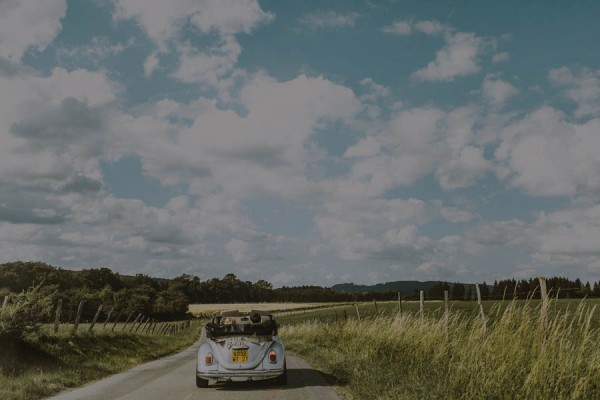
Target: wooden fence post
376	309
357	312
446	312
116	321
108	317
5	303
144	327
95	318
400	304
481	313
422	306
139	324
57	315
126	321
76	324
544	310
134	322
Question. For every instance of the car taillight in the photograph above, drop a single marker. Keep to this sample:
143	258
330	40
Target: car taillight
208	359
272	357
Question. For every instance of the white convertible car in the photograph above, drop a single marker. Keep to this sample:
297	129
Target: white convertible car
241	347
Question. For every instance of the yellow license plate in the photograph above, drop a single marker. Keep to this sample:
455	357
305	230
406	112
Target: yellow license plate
239	356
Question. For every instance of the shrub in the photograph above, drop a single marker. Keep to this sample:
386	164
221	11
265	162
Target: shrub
25	312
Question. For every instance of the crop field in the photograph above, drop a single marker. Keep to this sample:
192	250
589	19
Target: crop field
209	309
519	351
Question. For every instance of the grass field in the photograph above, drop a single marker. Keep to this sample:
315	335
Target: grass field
46	364
435	309
517	356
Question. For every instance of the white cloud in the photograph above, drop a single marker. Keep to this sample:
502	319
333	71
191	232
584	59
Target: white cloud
500	57
463	170
263	150
368	147
582	87
548	156
91	54
562	242
399	28
497	91
430	27
359	229
456	215
208	67
152	62
163	20
28	23
460	57
329	20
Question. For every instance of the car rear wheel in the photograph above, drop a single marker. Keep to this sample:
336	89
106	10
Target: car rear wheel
201	383
283	378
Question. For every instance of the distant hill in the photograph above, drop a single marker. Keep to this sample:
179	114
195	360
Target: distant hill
404	287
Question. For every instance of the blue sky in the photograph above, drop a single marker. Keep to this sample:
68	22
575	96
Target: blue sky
312	142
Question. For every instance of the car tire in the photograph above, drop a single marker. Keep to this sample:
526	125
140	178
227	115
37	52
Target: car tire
283	378
201	383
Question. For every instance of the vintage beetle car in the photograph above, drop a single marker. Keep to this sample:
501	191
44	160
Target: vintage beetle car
241	346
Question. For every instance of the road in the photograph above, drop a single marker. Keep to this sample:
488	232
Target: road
173	378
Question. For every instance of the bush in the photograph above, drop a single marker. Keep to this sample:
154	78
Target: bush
25	313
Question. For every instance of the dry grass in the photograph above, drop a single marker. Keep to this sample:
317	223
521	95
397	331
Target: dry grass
518	356
207	309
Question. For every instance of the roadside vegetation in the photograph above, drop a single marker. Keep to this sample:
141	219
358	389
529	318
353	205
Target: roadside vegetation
523	352
35	363
39	366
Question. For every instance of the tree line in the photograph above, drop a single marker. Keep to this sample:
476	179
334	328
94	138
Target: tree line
167	299
161	299
558	287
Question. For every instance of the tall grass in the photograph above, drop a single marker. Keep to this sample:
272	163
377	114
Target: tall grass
523	353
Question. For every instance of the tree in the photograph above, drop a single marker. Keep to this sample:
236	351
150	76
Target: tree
485	291
458	291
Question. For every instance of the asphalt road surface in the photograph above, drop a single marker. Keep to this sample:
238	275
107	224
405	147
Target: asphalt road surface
173	378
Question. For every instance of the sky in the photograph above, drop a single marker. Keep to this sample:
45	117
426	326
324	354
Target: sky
302	142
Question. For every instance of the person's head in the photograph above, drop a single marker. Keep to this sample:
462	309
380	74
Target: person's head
255	318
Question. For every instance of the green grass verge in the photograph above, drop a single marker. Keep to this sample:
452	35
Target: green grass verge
39	366
517	357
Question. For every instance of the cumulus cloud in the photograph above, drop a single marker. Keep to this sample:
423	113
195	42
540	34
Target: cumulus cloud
456	215
162	21
28	24
559	242
497	91
548	156
328	20
152	62
460	57
399	28
90	55
383	229
583	87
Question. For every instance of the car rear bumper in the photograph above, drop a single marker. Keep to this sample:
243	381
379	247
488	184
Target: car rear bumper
239	376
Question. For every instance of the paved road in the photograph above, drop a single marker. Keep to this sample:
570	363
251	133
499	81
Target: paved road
173	378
